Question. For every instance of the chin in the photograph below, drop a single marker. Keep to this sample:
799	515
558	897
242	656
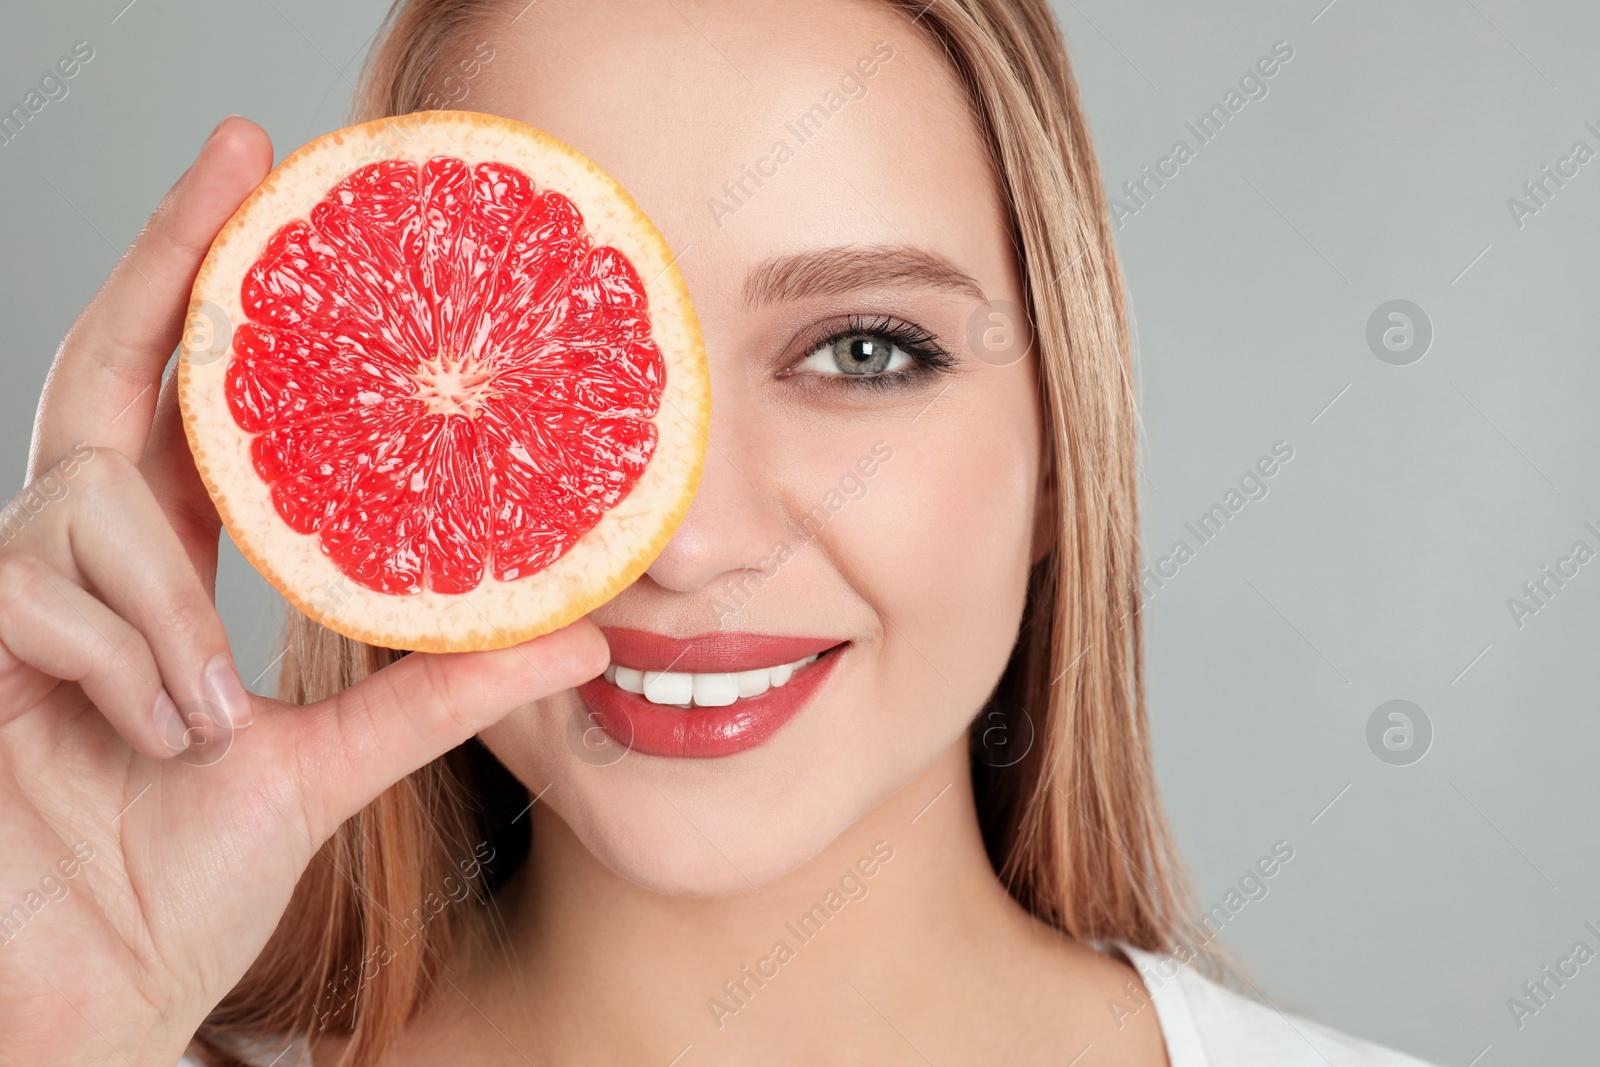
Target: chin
656	851
712	827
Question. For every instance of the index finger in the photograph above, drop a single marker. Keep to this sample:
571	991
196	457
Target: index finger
103	384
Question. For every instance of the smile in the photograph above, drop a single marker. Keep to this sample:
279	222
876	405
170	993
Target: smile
681	689
708	696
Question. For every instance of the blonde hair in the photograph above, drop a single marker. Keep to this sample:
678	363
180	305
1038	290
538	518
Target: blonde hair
1074	830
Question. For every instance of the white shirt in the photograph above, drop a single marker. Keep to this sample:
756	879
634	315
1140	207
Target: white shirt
1204	1025
1208	1025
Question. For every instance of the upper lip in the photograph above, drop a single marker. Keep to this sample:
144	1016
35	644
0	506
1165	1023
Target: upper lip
712	653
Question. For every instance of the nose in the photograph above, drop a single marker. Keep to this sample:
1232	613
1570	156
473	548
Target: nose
735	523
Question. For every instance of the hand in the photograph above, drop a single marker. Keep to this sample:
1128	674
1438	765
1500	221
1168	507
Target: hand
136	888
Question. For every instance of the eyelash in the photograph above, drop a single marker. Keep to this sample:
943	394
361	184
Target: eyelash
927	355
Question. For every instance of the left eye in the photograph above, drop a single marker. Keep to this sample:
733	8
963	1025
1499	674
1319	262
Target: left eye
857	355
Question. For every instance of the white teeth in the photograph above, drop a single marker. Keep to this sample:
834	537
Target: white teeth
715	690
753	683
668	687
628	679
712	690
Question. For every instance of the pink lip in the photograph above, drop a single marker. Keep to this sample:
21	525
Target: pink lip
713	653
707	733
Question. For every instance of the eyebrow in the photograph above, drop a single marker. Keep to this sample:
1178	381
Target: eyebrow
830	271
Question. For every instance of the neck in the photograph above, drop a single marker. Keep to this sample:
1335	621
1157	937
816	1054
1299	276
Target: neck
745	972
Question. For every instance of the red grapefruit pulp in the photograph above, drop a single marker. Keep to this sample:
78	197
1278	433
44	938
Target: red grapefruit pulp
444	382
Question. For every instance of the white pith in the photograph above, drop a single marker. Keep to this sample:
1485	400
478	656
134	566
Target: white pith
703	690
449	386
495	613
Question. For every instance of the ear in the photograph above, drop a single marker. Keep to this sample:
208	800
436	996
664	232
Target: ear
1046	507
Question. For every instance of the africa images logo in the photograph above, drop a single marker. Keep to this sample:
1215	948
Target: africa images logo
851	85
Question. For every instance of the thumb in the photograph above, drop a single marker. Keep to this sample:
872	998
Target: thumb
351	747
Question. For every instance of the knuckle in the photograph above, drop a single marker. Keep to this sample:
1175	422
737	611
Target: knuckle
75	458
187	617
436	688
105	488
21	578
50	487
118	650
422	698
102	469
102	338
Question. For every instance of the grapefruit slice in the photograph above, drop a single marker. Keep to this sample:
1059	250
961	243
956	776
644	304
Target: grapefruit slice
444	382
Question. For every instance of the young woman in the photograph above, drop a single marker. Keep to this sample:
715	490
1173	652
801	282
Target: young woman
942	845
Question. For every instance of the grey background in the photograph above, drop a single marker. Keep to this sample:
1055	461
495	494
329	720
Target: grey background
1379	565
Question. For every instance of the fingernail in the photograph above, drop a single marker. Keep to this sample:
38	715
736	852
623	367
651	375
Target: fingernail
224	689
169	724
214	130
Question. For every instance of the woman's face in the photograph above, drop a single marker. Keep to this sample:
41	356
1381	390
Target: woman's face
871	474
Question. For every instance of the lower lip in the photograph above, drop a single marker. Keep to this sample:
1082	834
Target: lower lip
701	733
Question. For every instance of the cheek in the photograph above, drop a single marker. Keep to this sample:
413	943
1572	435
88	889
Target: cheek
537	742
941	546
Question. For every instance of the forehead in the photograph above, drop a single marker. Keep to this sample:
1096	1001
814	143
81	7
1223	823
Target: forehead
753	128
